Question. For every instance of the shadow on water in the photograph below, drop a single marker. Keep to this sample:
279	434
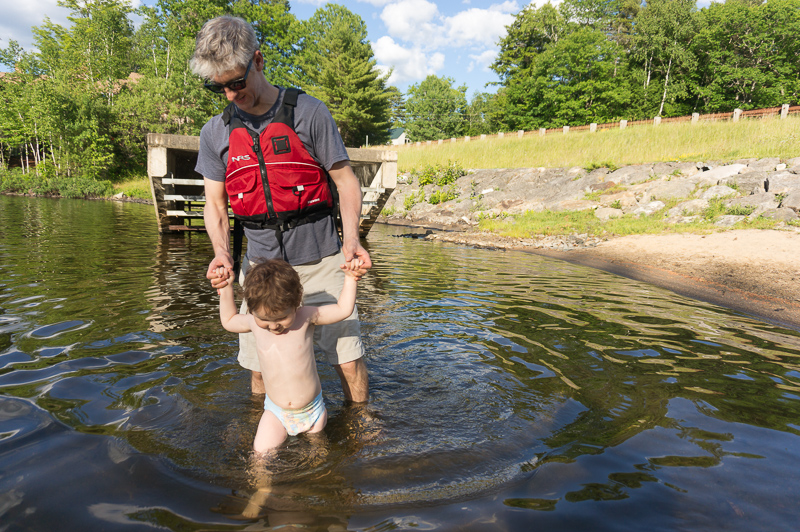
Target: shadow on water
507	391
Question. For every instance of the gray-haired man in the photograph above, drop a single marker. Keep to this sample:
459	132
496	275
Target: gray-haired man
270	153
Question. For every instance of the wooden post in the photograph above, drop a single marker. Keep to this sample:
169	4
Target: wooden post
466	139
592	127
657	121
483	137
452	139
695	118
566	129
784	110
520	133
737	113
542	131
623	124
500	134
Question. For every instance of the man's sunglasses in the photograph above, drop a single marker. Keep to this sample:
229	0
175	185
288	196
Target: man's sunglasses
234	85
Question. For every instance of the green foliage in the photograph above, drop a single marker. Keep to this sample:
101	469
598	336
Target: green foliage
439	174
617	204
740	210
412	199
67	187
716	207
442	195
436	110
605	164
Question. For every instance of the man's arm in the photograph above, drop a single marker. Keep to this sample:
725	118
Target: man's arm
350	206
215	215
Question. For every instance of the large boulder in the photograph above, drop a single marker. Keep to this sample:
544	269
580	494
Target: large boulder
780	215
767	164
746	183
629	175
783	183
792	201
690	207
720	191
712	177
764	199
606	213
675	188
649	208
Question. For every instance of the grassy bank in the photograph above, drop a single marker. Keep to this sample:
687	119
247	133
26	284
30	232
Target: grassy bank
15	182
705	141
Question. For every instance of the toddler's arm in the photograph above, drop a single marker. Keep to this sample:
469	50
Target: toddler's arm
347	299
231	320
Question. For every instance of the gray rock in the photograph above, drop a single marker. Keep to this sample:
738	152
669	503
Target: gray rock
676	188
781	215
782	183
649	208
791	201
625	199
689	207
793	162
628	175
765	199
712	177
720	191
606	213
768	164
794	169
119	196
746	183
728	220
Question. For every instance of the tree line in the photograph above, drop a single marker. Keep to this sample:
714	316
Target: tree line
82	103
600	61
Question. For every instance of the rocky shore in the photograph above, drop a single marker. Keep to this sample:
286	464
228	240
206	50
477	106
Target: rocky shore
748	270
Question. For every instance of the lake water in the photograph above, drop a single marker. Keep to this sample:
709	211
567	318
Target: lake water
508	392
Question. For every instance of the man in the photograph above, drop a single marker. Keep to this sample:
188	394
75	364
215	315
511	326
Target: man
238	151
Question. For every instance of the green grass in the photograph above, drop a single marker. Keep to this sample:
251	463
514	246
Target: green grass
705	141
549	223
135	187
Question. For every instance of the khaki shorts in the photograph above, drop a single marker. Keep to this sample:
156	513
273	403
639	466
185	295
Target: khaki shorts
322	283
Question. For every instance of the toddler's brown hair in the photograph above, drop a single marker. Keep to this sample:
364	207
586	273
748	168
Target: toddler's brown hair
272	286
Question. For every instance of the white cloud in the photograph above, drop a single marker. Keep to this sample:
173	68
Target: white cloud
19	17
411	21
482	60
409	64
475	27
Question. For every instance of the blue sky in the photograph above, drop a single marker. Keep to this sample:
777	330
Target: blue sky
456	38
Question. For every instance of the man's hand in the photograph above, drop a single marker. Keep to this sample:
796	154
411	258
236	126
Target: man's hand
217	282
356	251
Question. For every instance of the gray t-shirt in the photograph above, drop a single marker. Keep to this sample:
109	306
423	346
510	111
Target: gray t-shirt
320	136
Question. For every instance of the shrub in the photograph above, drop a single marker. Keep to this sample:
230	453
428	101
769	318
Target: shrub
443	195
438	174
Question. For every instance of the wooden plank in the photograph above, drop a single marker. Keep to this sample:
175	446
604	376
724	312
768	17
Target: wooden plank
173	181
180	197
189	214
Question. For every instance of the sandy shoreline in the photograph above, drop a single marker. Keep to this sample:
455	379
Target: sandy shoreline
756	272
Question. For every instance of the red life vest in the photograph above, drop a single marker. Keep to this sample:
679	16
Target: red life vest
271	179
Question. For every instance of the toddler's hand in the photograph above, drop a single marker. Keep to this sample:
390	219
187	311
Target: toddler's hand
354	268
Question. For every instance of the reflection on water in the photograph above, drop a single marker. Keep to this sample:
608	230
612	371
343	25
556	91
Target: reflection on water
508	391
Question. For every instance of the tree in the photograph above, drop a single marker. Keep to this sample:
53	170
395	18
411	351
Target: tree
397	107
337	64
664	33
748	54
435	109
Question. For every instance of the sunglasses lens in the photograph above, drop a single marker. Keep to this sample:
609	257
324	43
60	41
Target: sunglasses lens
237	85
215	87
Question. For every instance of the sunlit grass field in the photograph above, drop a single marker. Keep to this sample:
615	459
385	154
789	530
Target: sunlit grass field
705	141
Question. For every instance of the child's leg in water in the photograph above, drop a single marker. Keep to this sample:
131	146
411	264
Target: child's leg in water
270	434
